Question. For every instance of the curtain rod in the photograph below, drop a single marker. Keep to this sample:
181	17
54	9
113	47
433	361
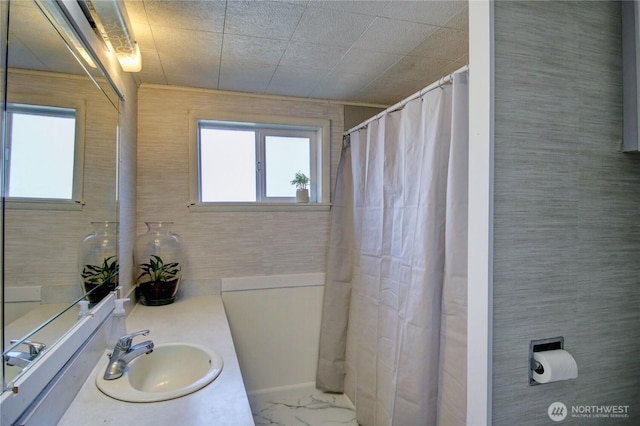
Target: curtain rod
442	81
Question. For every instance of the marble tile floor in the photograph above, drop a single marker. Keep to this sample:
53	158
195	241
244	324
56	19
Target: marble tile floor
312	408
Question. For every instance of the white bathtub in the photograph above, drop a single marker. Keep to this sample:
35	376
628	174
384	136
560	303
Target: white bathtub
275	324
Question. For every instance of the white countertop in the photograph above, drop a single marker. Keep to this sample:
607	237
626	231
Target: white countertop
200	320
42	313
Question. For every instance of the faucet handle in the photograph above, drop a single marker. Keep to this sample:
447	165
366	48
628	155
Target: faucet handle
34	347
125	341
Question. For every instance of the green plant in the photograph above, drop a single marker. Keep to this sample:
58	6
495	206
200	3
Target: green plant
301	180
98	274
158	271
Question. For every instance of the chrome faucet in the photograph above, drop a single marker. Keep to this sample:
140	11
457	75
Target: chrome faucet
17	359
23	359
124	353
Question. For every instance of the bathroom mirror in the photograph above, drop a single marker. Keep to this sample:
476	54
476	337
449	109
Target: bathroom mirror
42	232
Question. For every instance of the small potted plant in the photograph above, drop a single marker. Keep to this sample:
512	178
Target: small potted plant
158	282
104	276
302	192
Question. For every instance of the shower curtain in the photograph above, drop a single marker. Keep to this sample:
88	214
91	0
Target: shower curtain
393	334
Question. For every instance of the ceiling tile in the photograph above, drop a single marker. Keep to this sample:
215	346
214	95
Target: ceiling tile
202	80
358	61
341	86
252	49
150	77
200	67
445	43
46	52
424	12
359	51
143	34
362	51
245	76
196	68
183	44
150	58
189	15
151	62
372	8
393	36
460	62
417	68
430	70
266	19
135	10
293	81
314	56
331	27
20	57
460	21
388	90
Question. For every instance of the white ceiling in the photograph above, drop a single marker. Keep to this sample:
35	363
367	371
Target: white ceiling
369	52
34	44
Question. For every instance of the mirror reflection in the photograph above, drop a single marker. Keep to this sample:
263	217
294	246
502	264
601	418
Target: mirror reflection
60	183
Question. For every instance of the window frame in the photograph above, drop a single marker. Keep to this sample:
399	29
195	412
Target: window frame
265	125
40	106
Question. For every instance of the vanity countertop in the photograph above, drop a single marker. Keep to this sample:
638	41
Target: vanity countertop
199	320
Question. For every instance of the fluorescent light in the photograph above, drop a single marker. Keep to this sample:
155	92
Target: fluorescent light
112	22
79	47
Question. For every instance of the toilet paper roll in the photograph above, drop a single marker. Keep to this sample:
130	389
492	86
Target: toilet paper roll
557	364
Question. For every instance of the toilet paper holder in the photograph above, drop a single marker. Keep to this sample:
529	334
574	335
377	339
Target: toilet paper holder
541	345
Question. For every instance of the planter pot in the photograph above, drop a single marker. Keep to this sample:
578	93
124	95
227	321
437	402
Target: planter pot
100	293
98	261
159	263
157	293
302	195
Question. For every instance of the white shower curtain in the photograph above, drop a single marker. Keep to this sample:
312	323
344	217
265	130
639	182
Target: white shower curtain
394	323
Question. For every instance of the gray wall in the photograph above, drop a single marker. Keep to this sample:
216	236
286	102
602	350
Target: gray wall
355	115
567	210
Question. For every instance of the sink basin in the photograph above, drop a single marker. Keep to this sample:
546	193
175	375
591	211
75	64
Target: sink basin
170	371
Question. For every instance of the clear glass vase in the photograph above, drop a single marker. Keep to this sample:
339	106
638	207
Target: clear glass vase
98	261
159	264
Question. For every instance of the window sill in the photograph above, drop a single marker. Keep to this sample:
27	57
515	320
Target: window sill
42	204
259	207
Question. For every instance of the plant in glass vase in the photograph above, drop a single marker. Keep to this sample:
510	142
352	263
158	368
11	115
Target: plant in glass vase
159	263
104	276
158	280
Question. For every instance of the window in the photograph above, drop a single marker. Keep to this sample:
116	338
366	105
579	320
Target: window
43	158
249	163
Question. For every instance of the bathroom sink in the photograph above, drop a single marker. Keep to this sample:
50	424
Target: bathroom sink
170	371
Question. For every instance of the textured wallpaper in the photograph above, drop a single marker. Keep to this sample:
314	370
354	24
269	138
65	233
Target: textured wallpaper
41	246
224	244
567	201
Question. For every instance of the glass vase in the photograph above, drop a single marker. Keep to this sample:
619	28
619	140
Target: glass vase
98	261
159	264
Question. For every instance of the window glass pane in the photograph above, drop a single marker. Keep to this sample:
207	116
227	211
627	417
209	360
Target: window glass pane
284	157
227	165
42	156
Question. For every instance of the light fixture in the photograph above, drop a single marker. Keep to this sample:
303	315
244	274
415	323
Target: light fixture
112	22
